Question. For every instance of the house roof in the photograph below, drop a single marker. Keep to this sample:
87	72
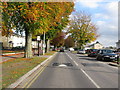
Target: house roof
94	44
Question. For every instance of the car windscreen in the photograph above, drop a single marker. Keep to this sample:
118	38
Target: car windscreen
107	51
94	50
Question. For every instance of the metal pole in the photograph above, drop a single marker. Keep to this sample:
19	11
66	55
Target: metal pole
44	44
38	49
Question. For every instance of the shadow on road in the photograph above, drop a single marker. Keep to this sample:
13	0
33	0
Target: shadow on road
77	69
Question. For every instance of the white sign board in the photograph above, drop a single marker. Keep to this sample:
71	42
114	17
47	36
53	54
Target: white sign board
38	38
44	45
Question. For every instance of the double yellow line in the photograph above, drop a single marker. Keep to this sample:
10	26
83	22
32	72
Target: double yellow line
32	80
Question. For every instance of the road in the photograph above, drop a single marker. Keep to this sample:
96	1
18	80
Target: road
68	70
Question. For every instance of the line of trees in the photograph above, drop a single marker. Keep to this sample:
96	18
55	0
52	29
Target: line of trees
35	18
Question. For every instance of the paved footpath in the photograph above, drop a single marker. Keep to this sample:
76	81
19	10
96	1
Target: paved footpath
7	57
10	56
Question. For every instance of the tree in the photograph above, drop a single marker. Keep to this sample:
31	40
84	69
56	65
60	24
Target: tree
69	42
58	41
33	18
65	9
82	30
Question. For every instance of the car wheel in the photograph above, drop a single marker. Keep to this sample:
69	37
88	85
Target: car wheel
102	59
97	58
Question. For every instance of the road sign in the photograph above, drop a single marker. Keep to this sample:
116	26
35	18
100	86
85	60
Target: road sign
38	38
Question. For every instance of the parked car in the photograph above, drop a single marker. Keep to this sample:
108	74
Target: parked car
81	51
61	50
71	49
87	51
107	55
92	52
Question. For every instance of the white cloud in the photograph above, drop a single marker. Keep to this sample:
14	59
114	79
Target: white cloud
90	4
107	40
112	10
107	28
112	6
100	23
100	15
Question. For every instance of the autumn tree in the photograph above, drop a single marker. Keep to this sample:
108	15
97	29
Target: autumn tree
82	29
60	20
34	18
59	40
69	42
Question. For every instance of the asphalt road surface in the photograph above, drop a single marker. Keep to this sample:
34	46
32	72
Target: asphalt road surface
68	70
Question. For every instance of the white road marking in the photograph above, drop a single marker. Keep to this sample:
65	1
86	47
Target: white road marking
62	65
75	63
85	73
73	60
90	79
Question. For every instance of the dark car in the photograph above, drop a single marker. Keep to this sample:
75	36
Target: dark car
92	52
106	55
61	50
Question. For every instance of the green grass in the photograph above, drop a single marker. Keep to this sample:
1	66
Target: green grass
50	53
74	51
15	68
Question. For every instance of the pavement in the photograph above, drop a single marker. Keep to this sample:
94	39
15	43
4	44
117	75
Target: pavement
8	56
67	70
114	64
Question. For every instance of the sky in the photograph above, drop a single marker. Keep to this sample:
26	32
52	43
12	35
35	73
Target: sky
104	14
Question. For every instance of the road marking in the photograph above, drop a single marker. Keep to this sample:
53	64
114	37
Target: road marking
85	73
75	63
90	79
32	78
73	60
62	65
28	84
35	78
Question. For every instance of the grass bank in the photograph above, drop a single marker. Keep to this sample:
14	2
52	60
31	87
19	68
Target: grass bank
15	68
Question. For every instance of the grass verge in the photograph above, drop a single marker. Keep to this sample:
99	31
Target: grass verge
50	53
15	68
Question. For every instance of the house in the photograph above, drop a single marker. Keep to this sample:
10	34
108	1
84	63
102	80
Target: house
118	44
96	45
15	40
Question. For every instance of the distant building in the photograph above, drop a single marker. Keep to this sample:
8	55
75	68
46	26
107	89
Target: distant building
118	44
96	45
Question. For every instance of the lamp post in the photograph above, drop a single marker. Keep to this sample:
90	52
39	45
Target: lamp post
38	39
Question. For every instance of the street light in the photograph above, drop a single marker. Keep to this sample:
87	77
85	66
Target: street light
38	39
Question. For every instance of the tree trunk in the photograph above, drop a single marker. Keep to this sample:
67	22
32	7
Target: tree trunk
28	44
48	45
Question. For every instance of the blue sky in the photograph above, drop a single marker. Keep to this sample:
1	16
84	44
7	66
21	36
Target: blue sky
104	14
